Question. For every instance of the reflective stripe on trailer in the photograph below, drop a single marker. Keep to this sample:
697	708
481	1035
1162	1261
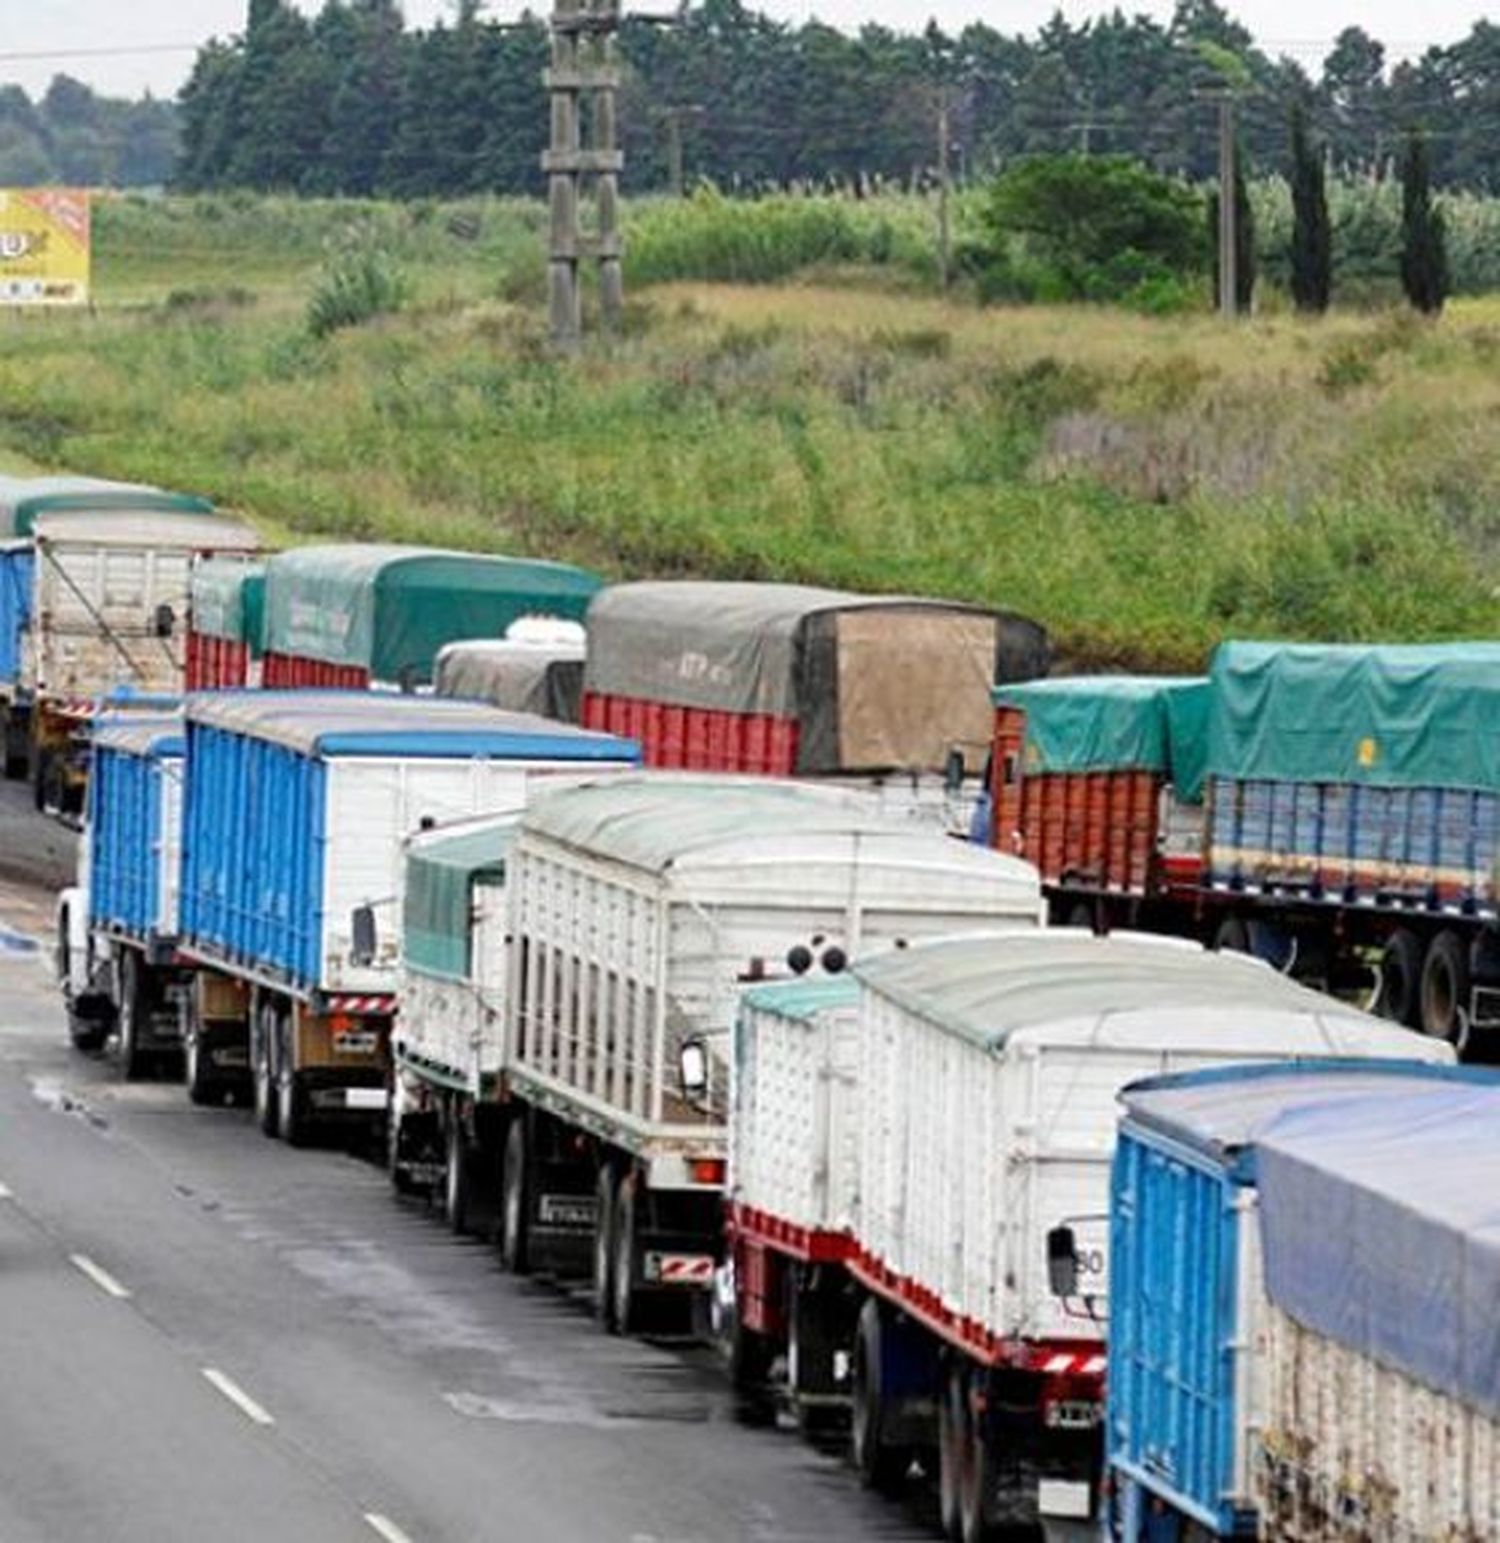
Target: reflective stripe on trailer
683	1269
359	1007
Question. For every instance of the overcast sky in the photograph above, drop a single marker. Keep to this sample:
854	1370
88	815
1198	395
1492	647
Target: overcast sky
1298	27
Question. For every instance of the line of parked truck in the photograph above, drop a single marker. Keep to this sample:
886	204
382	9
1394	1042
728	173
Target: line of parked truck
646	934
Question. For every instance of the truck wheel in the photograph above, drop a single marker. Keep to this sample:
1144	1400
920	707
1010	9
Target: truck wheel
953	1436
292	1117
1232	936
1401	979
457	1177
203	1088
1445	989
263	1067
880	1467
604	1248
86	1034
976	1520
626	1293
132	1002
41	769
515	1201
395	1151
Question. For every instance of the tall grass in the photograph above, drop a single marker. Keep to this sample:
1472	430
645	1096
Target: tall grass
1146	487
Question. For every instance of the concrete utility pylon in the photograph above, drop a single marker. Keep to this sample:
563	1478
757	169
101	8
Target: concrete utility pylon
584	157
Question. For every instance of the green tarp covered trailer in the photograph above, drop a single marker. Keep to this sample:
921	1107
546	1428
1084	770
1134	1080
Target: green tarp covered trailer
352	615
1081	768
1092	723
1361	773
442	870
226	623
23	500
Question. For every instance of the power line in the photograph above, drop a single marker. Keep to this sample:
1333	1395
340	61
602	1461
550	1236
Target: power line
122	52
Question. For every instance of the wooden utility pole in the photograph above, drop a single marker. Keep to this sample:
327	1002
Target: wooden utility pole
674	118
945	187
1228	213
582	84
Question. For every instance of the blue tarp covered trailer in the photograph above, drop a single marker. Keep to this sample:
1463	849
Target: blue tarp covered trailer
1187	1283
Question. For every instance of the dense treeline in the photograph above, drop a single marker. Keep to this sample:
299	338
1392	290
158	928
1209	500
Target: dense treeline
73	136
354	102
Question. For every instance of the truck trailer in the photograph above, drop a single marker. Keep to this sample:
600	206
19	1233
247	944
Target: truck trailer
639	910
297	806
226	624
541	676
982	1110
356	616
1332	809
93	601
784	680
1302	1305
117	926
447	1049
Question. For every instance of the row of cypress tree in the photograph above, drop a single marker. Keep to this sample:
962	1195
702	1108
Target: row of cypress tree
1424	259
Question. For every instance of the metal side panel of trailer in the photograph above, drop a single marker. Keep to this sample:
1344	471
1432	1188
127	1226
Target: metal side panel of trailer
134	836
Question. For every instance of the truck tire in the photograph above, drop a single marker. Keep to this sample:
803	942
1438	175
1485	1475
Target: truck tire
604	1248
976	1518
86	1034
132	989
41	770
203	1088
293	1119
263	1066
1445	989
515	1200
625	1286
1232	936
881	1467
1401	979
953	1436
458	1175
395	1151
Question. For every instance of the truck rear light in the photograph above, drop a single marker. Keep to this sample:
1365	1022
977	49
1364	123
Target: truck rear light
707	1170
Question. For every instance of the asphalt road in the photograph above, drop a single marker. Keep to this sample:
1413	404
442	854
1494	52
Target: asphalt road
205	1335
33	851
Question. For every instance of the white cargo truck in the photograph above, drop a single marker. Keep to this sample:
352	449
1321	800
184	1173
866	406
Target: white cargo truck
100	594
448	1039
640	909
984	1101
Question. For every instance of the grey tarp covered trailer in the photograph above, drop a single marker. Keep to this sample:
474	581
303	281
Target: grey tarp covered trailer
541	678
874	682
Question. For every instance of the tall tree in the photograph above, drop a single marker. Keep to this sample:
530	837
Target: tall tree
1424	247
1353	93
1312	236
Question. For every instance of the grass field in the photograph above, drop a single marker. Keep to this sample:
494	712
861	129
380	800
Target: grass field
1146	487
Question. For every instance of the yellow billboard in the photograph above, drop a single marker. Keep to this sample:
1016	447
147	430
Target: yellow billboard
44	246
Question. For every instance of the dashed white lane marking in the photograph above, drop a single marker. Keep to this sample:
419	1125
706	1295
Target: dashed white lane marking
6	1193
238	1396
385	1527
100	1276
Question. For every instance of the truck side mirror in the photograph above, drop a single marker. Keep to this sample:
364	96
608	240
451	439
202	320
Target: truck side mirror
692	1065
165	621
364	936
1062	1262
953	771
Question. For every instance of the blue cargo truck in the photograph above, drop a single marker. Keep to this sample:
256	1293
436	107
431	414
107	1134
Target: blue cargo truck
297	806
1263	1278
117	927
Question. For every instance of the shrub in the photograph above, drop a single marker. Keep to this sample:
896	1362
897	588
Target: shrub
1078	227
357	284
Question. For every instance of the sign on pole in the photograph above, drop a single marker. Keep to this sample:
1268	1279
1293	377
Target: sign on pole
44	246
